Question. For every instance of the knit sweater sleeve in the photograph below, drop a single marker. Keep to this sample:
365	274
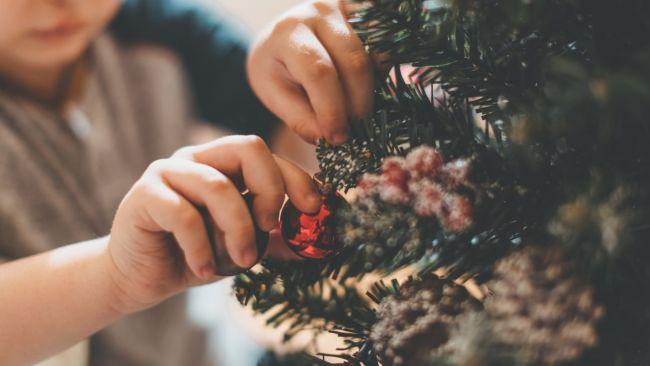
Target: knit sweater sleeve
213	52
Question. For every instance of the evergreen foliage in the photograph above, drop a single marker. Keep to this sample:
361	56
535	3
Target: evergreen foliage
550	100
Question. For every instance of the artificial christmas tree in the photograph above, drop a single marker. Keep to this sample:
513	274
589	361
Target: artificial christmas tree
509	148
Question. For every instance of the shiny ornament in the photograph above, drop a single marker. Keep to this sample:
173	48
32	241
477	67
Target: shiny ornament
313	236
224	264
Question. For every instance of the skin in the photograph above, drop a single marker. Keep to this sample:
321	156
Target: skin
312	71
158	246
308	67
40	39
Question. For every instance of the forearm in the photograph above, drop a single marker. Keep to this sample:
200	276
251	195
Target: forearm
51	301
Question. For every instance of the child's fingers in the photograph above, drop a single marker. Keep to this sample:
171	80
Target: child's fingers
348	8
288	100
206	186
173	213
301	189
278	249
352	62
311	66
248	157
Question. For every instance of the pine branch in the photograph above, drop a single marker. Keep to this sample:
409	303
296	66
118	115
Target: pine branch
294	359
564	86
489	69
322	304
383	236
408	115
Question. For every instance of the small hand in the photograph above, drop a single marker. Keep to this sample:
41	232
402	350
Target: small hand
159	244
313	72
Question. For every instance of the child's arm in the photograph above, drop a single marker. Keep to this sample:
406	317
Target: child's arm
308	67
158	245
53	300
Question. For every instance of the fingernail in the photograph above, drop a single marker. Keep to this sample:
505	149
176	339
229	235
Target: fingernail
316	185
315	200
249	257
271	221
207	271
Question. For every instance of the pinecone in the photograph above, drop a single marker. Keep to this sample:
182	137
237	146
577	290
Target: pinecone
416	323
541	308
342	166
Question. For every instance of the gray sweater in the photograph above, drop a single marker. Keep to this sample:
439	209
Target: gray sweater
62	176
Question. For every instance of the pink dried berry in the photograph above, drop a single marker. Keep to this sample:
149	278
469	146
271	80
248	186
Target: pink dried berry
427	197
456	212
393	187
456	173
368	185
393	194
424	161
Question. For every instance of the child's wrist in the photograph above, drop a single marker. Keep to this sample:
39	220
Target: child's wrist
90	271
126	290
117	300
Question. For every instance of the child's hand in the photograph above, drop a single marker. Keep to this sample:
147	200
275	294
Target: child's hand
312	71
159	244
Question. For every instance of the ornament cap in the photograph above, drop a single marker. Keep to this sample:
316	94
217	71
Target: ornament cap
323	187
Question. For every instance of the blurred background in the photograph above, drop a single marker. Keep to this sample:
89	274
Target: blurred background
237	337
254	14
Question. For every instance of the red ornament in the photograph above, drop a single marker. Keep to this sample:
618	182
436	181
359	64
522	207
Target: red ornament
312	236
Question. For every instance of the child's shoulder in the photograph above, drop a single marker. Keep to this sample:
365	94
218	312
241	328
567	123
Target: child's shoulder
147	64
147	84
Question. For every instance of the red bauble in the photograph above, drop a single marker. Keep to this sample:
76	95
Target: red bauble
309	236
312	236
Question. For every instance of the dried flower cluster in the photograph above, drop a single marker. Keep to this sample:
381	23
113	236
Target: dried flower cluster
387	236
422	180
542	307
416	323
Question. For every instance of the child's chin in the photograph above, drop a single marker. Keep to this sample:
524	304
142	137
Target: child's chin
54	58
